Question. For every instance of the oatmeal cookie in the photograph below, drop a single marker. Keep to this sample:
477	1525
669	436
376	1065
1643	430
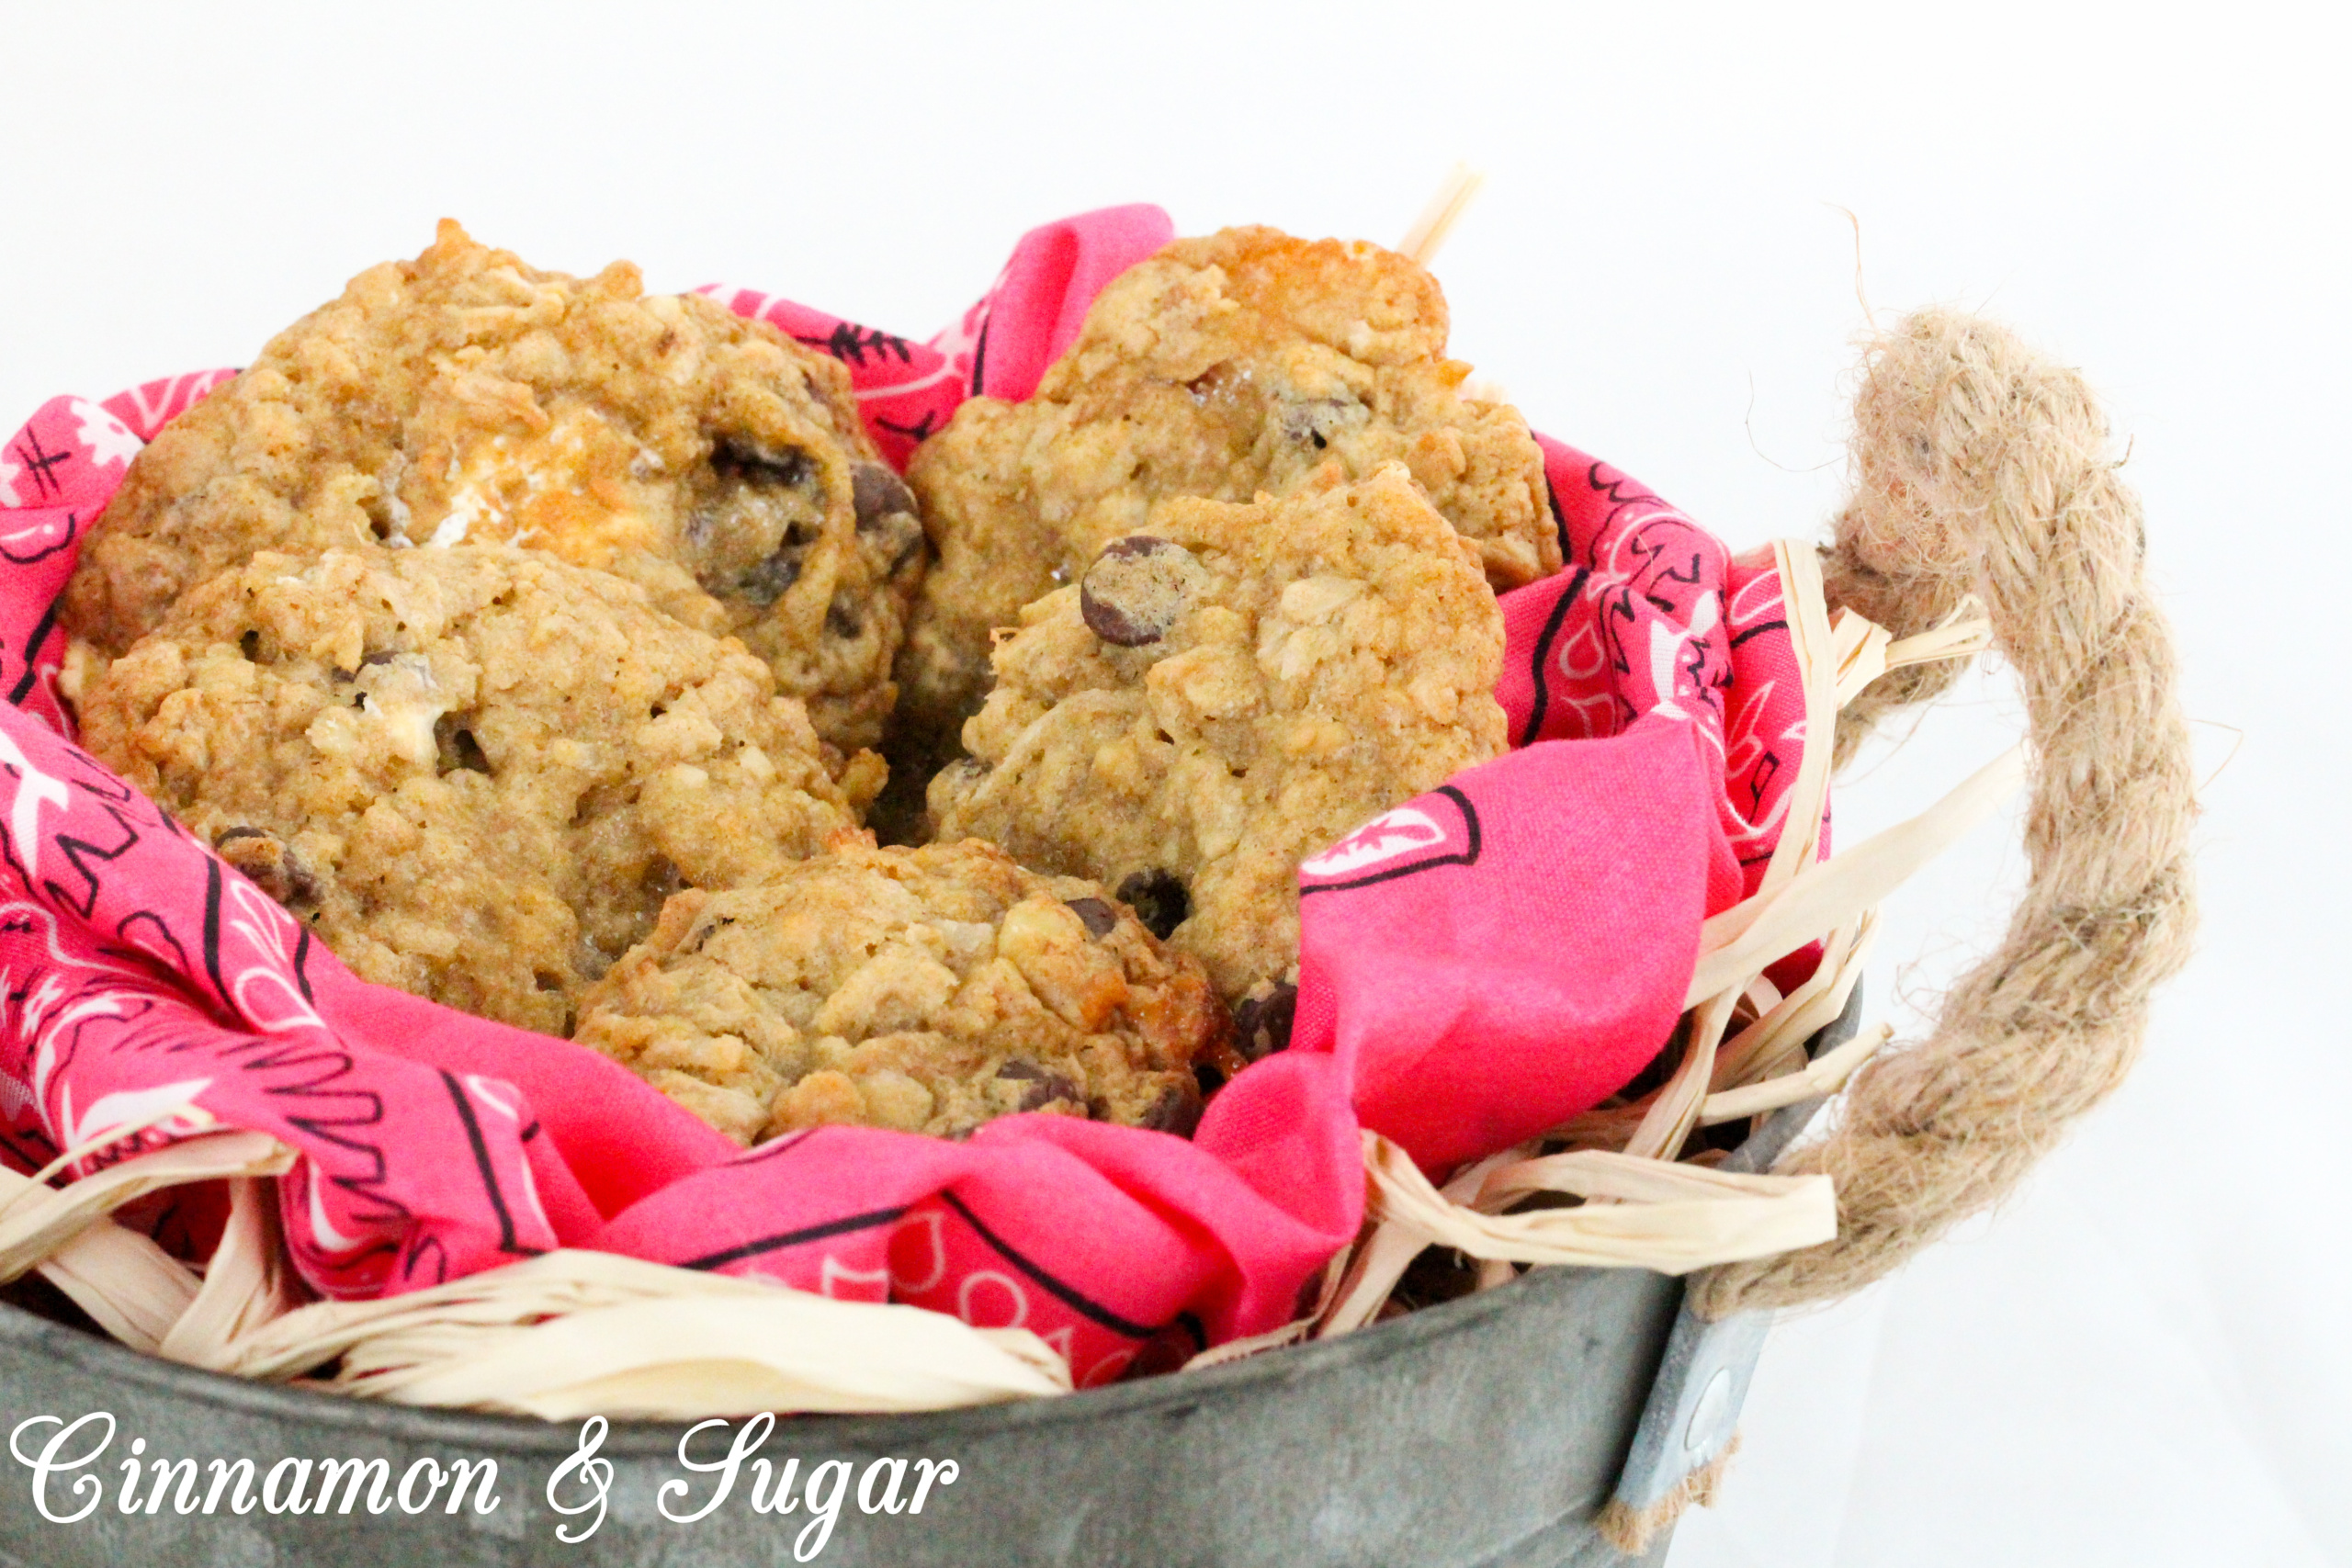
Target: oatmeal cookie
475	772
927	989
1244	362
1224	695
464	397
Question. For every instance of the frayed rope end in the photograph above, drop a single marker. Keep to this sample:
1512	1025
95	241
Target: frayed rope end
1632	1530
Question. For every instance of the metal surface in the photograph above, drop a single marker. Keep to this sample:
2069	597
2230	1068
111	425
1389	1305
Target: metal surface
1485	1432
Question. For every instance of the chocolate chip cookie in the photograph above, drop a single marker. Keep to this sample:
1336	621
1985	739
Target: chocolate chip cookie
927	989
466	398
1226	692
1243	363
477	772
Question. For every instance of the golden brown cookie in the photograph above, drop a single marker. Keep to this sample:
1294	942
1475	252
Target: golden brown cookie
1242	362
464	397
477	772
927	989
1224	694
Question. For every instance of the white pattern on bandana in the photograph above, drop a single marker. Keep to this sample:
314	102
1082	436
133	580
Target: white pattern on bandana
107	438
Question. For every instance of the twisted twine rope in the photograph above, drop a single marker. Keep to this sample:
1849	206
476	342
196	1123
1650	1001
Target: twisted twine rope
1982	466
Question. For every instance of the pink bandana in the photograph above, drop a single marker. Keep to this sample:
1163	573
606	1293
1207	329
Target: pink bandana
1476	964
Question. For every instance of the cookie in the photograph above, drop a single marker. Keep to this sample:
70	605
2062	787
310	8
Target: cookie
1224	695
466	398
927	989
477	773
1243	363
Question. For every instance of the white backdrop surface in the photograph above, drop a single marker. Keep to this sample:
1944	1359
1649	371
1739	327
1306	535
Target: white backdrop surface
2140	1360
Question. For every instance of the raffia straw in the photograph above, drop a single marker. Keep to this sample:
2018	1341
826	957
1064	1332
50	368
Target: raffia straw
1825	1074
1396	1237
131	1288
1982	468
1668	1124
1798	849
1847	884
1867	651
1676	1216
248	1284
37	1219
577	1333
1454	193
1775	1042
567	1333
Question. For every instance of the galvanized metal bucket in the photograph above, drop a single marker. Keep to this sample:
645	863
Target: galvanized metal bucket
1485	1432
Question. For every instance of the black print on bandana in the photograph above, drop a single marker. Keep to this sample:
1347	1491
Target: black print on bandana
38	462
85	856
1086	1306
488	1172
980	354
42	539
851	344
1418	837
782	1241
919	431
151	936
1541	669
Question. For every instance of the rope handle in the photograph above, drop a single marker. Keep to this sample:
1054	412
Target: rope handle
1982	468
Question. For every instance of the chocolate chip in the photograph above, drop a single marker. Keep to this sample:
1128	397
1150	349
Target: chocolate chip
1045	1086
1177	1110
269	862
743	462
765	583
842	619
1158	900
878	494
1262	1023
1135	589
371	660
1038	1096
1099	918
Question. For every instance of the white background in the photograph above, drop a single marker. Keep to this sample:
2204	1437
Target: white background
2141	1360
